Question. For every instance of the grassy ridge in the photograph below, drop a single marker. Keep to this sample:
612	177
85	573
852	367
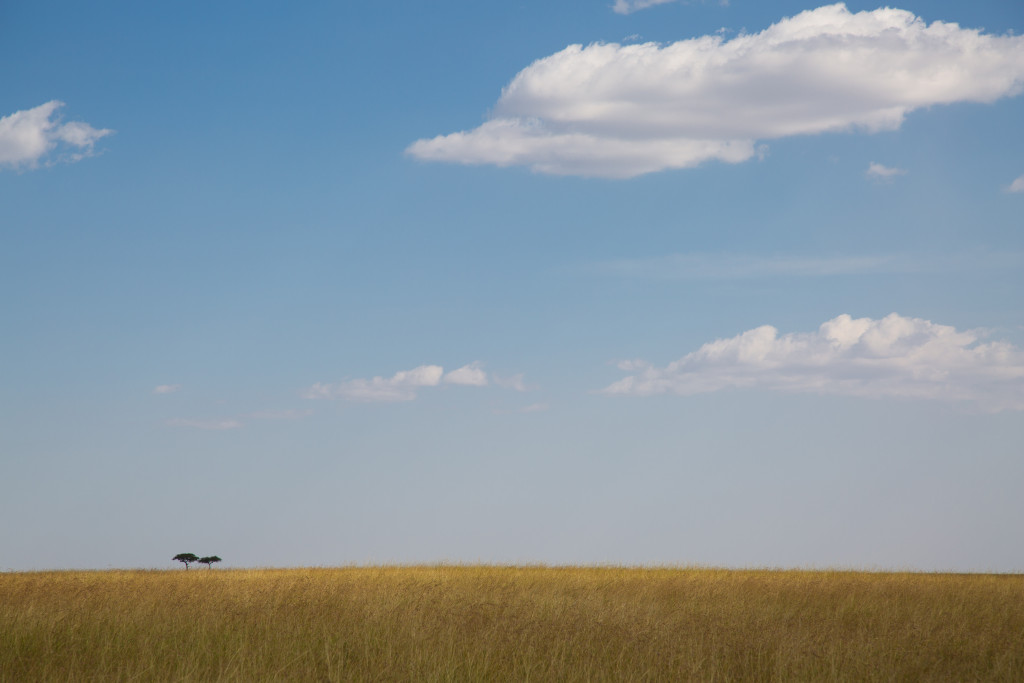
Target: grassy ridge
509	623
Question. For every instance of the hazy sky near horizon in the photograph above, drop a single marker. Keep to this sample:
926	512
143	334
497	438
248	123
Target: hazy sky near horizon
632	281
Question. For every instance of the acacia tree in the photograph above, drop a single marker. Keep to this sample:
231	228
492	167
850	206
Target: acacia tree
186	558
208	560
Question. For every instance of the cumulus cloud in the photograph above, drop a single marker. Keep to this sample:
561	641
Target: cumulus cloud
618	111
1017	185
883	172
895	356
29	136
166	388
209	425
468	375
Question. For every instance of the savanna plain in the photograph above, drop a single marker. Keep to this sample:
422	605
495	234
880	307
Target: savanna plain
532	623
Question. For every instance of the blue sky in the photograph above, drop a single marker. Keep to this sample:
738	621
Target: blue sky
732	284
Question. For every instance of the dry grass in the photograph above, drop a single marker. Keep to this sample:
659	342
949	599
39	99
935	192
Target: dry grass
473	623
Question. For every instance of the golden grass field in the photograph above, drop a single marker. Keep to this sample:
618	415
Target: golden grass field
481	623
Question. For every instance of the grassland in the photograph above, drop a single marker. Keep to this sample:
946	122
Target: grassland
478	623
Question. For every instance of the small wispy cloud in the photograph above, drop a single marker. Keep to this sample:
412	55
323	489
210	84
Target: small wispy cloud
630	6
894	356
238	421
882	172
514	382
210	425
534	408
402	386
406	384
30	136
1017	185
166	388
700	266
278	414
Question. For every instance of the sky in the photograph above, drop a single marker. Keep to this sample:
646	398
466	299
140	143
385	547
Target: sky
635	282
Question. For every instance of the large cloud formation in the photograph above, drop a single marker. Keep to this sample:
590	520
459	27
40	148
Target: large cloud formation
402	386
891	357
28	136
618	111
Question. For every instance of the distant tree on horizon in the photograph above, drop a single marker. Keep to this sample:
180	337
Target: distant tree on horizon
186	558
208	560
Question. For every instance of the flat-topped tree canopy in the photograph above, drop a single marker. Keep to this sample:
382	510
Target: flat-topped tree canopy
186	558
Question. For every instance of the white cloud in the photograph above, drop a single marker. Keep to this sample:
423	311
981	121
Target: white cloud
881	171
630	6
28	136
744	266
166	388
514	382
703	266
401	386
617	111
891	357
278	414
1017	185
226	423
211	425
468	375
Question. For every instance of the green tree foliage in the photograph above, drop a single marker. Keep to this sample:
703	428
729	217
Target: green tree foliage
208	560
186	558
